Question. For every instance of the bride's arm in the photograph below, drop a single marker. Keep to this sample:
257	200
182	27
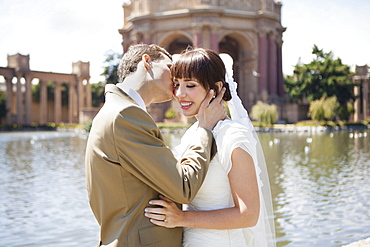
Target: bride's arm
245	213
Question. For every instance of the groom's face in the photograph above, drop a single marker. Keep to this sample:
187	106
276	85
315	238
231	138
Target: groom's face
161	75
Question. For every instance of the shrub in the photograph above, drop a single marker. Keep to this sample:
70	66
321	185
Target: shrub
331	106
324	109
170	113
264	113
87	126
316	110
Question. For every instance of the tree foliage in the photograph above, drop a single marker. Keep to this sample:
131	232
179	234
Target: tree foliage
111	77
50	90
324	77
111	67
97	91
3	110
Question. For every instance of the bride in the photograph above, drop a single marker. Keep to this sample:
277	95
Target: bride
233	207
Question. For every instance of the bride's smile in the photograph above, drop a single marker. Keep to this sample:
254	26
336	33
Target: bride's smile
190	94
185	105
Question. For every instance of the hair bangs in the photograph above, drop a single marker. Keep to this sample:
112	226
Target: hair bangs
188	66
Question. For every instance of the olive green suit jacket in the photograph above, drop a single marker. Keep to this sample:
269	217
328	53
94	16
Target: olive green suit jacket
128	164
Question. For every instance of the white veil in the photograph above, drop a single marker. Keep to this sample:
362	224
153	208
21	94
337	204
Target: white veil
263	233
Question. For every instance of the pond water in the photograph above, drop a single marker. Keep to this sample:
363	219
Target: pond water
320	187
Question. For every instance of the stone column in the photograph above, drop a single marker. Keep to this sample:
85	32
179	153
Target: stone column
280	76
262	62
70	102
214	37
206	37
263	5
197	37
357	114
133	40
43	102
125	42
28	100
365	99
88	94
57	103
147	39
9	100
247	87
80	92
20	113
272	78
75	103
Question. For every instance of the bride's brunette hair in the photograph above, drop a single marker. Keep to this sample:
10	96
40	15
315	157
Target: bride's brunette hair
203	65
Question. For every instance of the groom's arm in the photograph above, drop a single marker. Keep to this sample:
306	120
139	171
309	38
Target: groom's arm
143	153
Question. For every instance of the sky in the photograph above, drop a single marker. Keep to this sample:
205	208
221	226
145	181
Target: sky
56	33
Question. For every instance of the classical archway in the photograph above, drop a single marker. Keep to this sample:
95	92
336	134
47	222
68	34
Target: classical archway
250	31
69	99
176	42
241	48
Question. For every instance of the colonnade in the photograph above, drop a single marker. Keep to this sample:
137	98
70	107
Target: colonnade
361	91
23	111
270	64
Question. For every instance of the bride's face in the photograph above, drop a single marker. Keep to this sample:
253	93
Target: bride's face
190	95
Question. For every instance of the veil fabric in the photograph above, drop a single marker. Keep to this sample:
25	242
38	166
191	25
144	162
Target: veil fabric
263	234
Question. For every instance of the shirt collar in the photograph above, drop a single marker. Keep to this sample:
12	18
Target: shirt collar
134	95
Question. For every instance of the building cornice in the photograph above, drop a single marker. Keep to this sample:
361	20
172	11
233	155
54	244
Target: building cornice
204	11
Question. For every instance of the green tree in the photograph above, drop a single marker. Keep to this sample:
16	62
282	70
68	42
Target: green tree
324	77
111	77
97	91
111	67
50	89
2	105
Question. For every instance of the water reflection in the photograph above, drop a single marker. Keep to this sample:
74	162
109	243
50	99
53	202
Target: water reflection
319	182
320	185
43	196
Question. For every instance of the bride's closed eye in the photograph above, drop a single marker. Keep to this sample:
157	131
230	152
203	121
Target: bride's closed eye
176	85
189	83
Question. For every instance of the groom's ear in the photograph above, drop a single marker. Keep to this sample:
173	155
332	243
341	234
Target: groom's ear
147	61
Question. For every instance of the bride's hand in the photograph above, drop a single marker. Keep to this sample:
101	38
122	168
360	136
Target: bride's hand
168	215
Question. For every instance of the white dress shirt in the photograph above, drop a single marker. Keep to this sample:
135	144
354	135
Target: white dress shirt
134	95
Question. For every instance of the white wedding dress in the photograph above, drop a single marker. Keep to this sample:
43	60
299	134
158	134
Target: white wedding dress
215	193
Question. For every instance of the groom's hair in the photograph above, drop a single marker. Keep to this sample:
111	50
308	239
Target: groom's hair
132	57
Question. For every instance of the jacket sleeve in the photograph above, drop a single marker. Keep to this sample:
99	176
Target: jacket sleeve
143	153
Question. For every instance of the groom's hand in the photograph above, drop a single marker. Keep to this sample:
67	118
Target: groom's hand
211	110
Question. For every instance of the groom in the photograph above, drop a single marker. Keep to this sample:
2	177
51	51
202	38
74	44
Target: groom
127	162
